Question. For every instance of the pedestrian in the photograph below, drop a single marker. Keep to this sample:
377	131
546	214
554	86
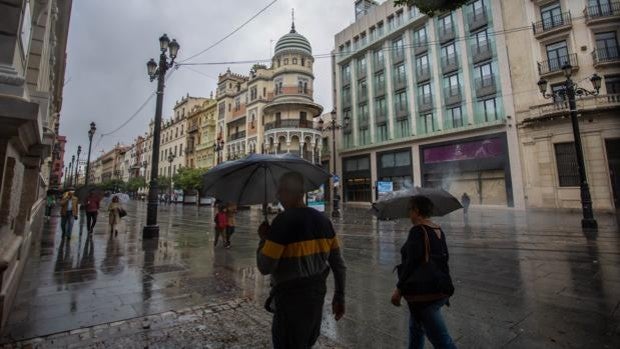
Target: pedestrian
92	210
114	215
231	211
424	278
298	250
465	201
68	213
50	202
221	221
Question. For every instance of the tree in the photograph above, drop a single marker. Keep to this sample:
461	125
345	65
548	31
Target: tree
163	183
135	183
432	7
188	179
114	185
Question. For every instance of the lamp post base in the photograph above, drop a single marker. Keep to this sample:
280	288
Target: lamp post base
589	224
335	213
150	231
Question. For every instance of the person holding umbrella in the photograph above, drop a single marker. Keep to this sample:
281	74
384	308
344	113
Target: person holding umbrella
68	213
115	213
298	250
424	277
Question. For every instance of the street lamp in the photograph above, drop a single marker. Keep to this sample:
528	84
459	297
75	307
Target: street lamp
66	175
155	71
170	160
570	90
77	165
71	170
219	146
91	133
333	125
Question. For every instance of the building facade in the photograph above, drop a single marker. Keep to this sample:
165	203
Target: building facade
58	162
33	43
272	109
205	142
430	103
197	132
584	34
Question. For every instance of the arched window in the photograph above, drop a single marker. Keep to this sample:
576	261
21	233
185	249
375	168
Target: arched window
303	62
294	60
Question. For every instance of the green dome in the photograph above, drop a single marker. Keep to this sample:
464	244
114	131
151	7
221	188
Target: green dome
293	41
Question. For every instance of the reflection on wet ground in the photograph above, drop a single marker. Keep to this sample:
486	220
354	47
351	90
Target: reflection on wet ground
523	280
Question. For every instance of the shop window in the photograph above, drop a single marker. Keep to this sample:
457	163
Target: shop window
566	159
382	133
612	84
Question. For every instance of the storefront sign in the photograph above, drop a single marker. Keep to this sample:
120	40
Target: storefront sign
482	149
316	199
384	188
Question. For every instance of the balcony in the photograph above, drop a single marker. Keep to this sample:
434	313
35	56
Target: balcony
481	53
601	13
378	66
425	104
381	118
449	64
236	136
398	55
584	105
446	34
290	123
363	123
379	91
423	74
606	56
193	128
477	19
420	48
485	86
401	114
346	102
361	73
400	83
552	25
554	66
452	95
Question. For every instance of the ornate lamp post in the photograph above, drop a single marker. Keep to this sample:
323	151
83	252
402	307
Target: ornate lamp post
91	133
66	175
77	165
71	170
155	71
333	125
570	90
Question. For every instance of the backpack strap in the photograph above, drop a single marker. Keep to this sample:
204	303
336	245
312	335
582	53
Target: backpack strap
427	245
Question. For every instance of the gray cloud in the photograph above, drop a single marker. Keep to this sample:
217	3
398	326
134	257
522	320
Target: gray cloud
110	42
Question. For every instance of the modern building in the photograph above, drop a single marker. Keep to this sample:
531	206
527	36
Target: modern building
272	109
430	102
584	34
33	40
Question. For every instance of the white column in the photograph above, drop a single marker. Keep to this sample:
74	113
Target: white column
434	57
409	68
464	60
389	88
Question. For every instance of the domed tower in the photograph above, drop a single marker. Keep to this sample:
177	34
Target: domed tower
289	115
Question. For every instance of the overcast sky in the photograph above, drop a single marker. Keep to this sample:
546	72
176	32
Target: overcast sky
110	42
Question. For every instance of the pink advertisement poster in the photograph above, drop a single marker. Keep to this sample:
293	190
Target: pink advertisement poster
482	149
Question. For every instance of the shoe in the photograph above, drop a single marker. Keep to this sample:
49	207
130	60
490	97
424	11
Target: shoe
227	246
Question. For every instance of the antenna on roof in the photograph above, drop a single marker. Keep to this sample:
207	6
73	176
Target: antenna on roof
293	21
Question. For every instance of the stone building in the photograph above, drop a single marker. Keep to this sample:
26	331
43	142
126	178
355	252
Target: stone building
430	103
197	132
205	136
584	34
58	162
272	109
33	39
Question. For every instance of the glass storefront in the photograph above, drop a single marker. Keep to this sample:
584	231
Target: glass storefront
395	166
357	184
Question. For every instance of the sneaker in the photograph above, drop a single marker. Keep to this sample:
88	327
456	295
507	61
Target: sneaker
227	246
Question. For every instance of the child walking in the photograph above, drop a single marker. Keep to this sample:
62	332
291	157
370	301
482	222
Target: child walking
221	222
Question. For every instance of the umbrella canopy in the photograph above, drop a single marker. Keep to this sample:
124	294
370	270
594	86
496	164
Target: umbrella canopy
82	192
254	179
396	204
122	197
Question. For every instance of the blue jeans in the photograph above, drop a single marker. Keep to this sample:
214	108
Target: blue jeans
427	320
66	224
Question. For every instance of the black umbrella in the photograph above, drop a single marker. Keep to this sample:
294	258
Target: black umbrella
254	179
83	191
396	204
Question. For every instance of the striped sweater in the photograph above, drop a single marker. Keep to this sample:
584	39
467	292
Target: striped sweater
301	243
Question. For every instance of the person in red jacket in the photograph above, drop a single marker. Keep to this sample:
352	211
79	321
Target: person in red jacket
92	209
221	223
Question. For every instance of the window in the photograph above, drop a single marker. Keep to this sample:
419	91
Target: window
237	103
302	86
566	159
378	59
379	83
294	60
253	93
380	108
600	8
419	37
380	29
402	128
455	117
400	75
303	62
175	150
176	132
363	39
483	75
372	33
606	46
253	121
399	159
362	89
448	54
452	85
346	94
481	40
398	52
285	61
279	62
445	24
278	86
400	103
398	21
264	91
612	84
221	110
346	74
363	113
229	107
355	43
477	8
390	24
382	132
180	149
558	93
557	55
551	15
428	123
413	11
490	109
364	132
361	66
422	66
425	94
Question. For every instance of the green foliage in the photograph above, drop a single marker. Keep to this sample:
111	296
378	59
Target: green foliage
163	183
188	179
432	7
135	183
114	185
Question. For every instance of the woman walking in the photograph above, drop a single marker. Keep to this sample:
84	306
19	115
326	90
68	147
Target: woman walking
424	278
92	209
114	215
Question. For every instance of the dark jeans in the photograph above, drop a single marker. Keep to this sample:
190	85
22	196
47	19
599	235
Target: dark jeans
66	224
427	320
297	317
91	220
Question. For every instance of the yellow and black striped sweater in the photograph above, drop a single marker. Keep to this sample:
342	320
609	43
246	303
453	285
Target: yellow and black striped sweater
301	243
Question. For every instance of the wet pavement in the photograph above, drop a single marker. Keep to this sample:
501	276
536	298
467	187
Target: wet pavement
523	280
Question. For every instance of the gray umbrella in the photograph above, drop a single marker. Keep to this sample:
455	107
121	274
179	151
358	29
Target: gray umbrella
254	179
396	204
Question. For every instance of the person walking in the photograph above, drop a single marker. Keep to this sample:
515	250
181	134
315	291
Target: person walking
231	211
68	213
465	201
92	210
298	250
221	221
50	202
114	215
424	278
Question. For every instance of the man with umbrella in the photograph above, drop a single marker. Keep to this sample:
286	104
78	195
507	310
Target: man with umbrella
298	250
